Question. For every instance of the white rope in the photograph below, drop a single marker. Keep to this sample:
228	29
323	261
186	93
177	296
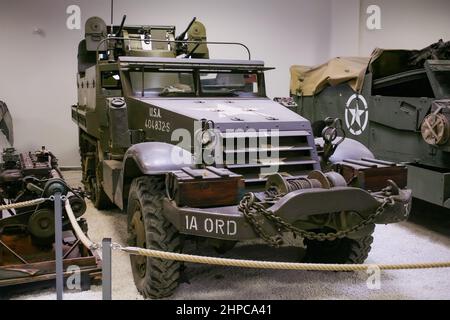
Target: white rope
245	263
77	229
277	265
23	204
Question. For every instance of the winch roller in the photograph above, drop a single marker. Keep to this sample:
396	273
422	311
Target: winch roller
315	180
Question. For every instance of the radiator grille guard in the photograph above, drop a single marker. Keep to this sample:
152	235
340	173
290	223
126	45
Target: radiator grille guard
257	154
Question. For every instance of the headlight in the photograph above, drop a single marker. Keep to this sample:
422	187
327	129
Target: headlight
206	137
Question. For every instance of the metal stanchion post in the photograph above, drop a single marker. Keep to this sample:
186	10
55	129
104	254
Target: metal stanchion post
106	269
58	247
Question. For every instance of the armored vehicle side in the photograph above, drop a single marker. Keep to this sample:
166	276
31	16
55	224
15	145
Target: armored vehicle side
396	103
191	148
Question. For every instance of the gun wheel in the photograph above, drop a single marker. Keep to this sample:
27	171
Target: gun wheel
341	251
148	228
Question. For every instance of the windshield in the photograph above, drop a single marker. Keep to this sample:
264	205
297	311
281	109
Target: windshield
161	83
228	83
194	83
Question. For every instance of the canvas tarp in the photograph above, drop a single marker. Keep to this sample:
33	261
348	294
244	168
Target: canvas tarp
308	81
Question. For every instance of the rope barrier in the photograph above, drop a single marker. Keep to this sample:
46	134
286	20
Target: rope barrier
23	204
246	263
278	265
88	243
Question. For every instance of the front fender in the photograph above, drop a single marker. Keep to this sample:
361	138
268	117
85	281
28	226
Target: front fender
149	158
348	149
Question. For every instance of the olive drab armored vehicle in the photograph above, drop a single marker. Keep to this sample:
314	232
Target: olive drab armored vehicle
191	148
396	102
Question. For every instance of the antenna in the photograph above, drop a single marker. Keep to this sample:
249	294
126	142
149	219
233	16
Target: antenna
112	16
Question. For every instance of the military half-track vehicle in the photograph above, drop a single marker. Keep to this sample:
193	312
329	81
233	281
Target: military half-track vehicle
191	148
396	102
27	235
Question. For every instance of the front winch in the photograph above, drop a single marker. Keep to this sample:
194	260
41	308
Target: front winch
316	179
389	205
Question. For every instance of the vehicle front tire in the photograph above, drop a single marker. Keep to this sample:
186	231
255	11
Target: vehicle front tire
148	228
340	251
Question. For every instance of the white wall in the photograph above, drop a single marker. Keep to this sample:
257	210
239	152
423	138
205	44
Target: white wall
406	24
344	28
38	71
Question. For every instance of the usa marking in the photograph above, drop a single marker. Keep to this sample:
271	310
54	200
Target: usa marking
155	121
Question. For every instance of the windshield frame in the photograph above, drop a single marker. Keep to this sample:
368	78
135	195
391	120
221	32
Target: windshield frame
145	70
197	92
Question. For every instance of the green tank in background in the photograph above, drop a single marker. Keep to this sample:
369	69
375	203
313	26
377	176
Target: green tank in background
6	127
141	89
396	102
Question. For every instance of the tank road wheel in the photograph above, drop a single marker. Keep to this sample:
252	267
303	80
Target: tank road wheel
342	251
148	228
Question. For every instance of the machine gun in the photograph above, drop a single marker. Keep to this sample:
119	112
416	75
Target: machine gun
112	42
437	51
182	36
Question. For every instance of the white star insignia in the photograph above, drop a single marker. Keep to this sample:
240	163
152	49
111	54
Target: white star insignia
356	116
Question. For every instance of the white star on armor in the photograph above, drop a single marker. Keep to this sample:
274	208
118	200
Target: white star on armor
356	115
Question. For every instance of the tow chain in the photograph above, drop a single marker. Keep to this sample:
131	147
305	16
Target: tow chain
252	209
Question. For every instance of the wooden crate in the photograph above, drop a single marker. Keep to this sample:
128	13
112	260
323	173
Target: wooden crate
208	187
372	174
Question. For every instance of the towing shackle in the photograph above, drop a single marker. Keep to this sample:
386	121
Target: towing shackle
315	180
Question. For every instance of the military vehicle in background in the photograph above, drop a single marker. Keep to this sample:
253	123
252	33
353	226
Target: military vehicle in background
397	103
141	88
27	234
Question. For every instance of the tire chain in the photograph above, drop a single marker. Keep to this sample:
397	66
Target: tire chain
252	209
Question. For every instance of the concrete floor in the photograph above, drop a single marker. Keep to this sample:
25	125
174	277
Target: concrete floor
424	238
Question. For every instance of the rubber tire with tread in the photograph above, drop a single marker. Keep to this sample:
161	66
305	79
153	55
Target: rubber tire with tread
161	277
341	251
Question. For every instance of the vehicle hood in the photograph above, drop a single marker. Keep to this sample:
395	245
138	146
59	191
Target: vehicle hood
235	113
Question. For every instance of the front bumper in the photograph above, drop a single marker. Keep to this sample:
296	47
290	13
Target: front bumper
228	223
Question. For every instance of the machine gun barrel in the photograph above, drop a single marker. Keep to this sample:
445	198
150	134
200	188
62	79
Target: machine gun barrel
119	31
183	34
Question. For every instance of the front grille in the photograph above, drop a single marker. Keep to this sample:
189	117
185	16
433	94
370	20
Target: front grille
258	154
